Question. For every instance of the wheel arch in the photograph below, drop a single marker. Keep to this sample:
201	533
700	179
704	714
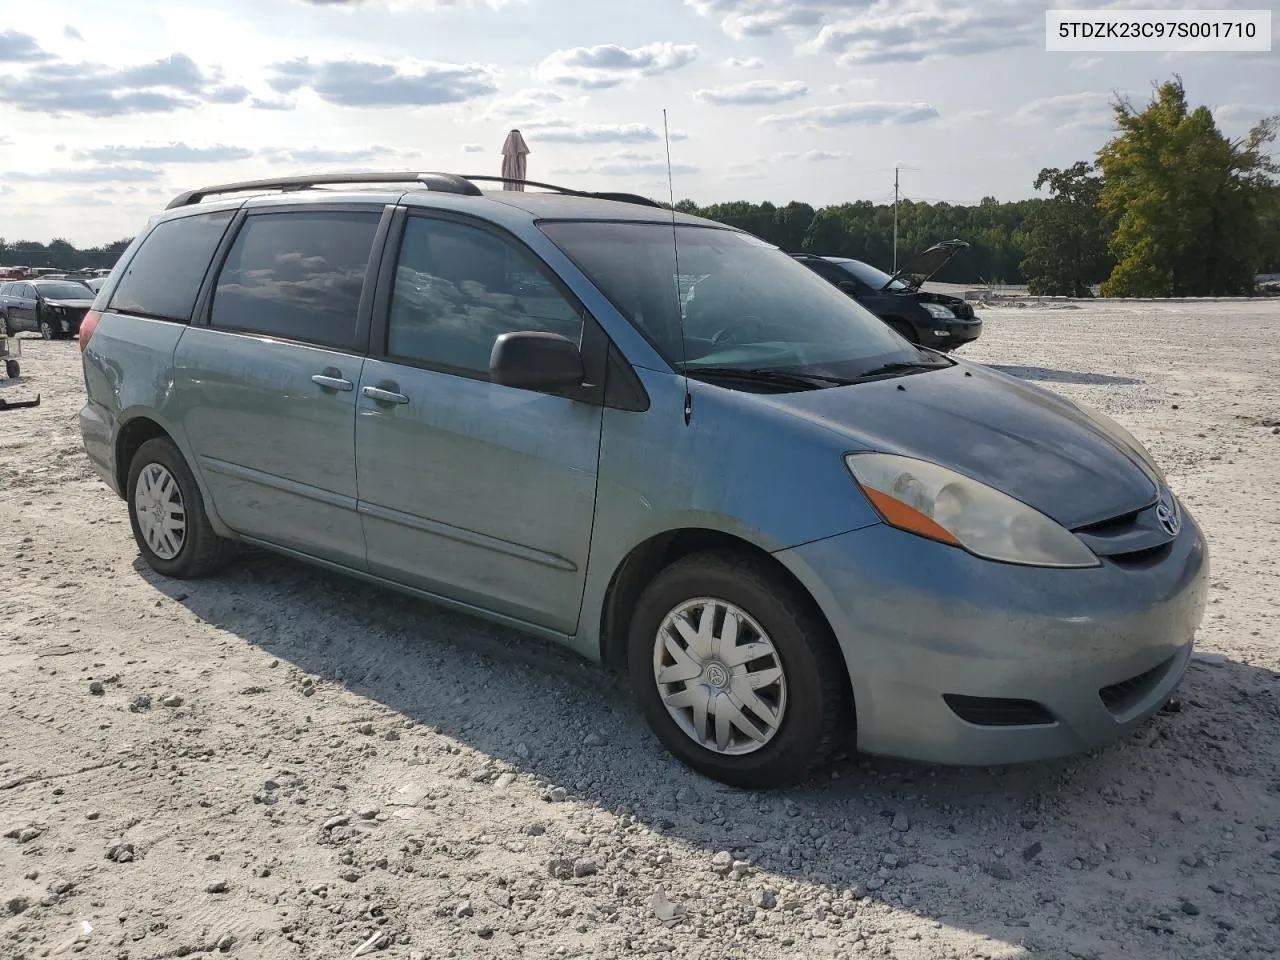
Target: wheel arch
648	558
136	430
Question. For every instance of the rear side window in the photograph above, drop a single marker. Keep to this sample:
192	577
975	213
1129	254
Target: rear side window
297	276
163	278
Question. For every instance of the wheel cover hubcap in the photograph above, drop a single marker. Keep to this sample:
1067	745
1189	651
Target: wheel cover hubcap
719	676
162	516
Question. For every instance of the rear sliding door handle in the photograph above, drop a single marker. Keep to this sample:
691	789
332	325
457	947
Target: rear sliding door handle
380	395
332	383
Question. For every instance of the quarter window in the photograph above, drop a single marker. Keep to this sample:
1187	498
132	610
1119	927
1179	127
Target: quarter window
458	288
163	278
297	276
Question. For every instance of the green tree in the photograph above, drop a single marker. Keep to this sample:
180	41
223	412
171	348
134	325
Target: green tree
1188	203
1067	237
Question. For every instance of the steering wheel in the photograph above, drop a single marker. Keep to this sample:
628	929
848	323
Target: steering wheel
730	334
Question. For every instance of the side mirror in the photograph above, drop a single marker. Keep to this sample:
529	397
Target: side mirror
535	361
847	286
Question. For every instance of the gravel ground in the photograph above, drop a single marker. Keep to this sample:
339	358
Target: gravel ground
282	763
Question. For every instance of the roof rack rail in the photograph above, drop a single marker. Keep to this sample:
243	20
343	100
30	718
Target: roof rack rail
568	191
441	182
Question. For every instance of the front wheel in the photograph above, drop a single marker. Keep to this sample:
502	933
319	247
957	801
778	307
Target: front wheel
12	369
4	325
47	331
168	517
736	672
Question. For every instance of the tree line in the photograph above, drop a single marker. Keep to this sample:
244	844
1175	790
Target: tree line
1169	207
61	254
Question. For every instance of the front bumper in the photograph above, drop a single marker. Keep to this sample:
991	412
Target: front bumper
955	333
917	620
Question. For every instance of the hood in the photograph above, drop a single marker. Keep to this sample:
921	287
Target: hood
925	265
76	304
1011	435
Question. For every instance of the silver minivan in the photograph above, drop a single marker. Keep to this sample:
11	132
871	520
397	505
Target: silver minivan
655	439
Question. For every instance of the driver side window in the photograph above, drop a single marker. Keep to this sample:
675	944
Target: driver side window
458	288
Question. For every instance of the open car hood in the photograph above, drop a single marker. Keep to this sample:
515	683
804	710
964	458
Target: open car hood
925	265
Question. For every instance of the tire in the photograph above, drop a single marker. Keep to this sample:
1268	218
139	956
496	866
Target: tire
904	330
200	551
46	330
4	325
812	702
12	369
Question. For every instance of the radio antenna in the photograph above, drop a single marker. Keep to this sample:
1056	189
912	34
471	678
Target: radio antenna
675	250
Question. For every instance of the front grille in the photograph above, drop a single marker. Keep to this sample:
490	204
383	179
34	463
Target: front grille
1122	697
1138	558
998	711
1112	525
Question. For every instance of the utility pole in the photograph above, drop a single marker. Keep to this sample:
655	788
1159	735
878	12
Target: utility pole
895	218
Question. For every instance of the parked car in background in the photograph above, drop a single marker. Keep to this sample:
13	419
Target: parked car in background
789	524
927	319
54	308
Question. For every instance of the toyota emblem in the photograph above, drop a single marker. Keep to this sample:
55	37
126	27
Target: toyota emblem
1167	515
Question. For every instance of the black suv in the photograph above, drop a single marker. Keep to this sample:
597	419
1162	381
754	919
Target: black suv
54	308
928	319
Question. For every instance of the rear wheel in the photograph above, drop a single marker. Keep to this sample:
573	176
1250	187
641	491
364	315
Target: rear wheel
168	517
735	671
12	369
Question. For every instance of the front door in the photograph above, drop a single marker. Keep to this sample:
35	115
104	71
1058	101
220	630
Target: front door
475	491
267	388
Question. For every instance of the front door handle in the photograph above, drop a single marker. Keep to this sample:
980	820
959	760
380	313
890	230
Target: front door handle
332	383
387	393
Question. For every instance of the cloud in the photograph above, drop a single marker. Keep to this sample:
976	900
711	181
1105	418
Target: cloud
112	173
1077	111
368	83
1244	111
232	94
257	103
71	33
305	155
164	153
748	63
521	104
869	113
629	164
18	47
757	18
560	130
608	65
812	156
472	148
98	90
347	5
886	31
753	92
1081	64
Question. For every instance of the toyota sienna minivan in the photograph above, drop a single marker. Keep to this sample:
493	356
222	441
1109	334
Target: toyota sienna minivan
788	524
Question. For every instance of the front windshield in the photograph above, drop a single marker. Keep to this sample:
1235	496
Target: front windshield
874	278
742	303
63	290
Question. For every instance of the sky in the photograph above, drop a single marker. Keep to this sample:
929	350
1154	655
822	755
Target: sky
109	108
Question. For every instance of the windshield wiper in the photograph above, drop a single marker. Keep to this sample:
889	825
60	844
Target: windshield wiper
800	381
902	366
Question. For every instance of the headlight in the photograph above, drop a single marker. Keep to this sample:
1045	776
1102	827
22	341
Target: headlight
1125	439
938	311
932	501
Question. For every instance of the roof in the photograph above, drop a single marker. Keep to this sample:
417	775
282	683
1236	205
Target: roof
557	206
